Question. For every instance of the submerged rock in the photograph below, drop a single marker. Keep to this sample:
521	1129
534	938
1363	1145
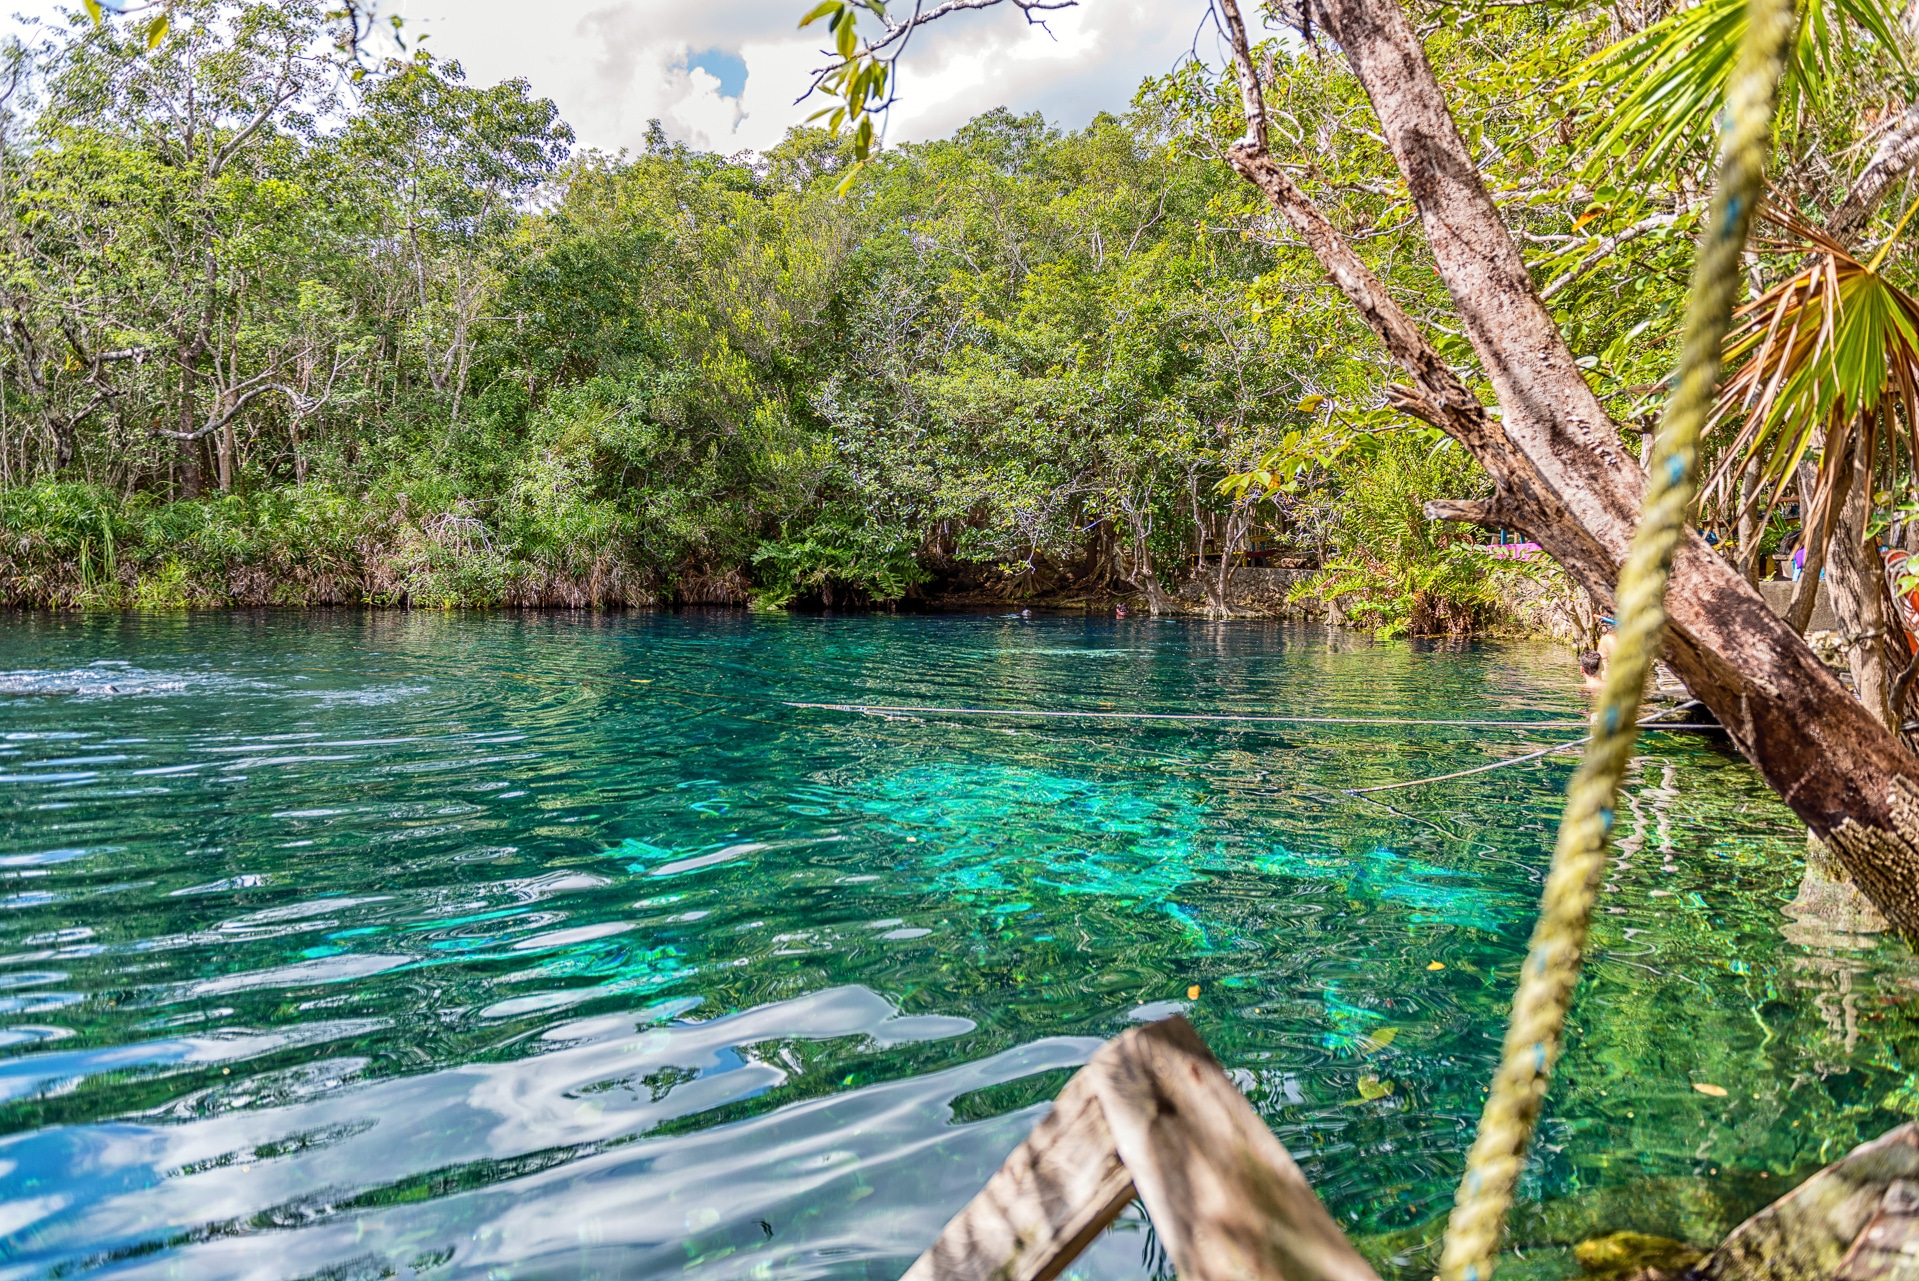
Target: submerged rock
1634	1256
1855	1220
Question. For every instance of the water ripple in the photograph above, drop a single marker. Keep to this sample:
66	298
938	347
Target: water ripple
350	944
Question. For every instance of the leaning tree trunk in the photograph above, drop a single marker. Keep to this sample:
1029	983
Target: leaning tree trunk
1563	475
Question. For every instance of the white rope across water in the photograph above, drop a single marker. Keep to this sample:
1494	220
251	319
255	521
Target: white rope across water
1477	769
1649	722
887	709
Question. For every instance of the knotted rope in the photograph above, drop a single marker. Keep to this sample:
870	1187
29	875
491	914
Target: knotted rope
1551	968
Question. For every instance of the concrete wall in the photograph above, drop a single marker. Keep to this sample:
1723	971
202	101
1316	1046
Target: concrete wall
1778	594
1257	591
1538	608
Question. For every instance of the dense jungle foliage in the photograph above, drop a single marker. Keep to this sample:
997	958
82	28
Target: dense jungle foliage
274	332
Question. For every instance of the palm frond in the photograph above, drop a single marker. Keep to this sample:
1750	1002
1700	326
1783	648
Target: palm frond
1825	353
1664	86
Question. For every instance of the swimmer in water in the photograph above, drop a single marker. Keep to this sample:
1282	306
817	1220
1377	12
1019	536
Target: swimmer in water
1592	667
1119	611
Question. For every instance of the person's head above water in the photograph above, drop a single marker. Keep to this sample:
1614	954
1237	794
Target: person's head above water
1590	662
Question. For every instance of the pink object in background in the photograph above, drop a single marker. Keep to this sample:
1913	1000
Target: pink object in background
1511	551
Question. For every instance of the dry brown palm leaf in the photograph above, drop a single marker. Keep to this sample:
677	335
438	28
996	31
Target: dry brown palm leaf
1819	357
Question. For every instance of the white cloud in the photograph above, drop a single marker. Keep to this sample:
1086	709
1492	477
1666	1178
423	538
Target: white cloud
613	66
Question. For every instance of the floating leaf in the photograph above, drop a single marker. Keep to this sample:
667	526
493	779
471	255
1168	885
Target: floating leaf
1436	965
1716	1091
1379	1040
1192	993
1371	1087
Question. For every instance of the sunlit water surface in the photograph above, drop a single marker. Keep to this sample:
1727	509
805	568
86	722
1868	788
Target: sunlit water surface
378	944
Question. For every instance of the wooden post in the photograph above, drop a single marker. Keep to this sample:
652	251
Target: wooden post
1153	1113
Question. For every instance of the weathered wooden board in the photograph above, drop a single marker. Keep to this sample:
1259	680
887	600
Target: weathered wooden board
1151	1111
1226	1198
1055	1193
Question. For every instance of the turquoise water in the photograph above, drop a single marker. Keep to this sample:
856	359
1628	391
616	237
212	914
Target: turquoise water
379	944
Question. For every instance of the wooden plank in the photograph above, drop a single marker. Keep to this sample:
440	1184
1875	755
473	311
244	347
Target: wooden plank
1226	1198
1855	1220
1055	1193
1152	1110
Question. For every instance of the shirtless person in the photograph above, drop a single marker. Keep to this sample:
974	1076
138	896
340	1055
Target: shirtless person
1592	670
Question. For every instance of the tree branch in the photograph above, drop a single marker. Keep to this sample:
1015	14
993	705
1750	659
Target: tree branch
1606	247
1557	457
1490	513
288	89
239	403
896	32
1897	152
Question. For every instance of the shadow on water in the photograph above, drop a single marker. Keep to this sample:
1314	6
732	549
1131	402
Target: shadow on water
366	944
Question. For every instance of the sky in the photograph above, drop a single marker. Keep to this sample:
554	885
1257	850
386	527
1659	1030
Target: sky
722	75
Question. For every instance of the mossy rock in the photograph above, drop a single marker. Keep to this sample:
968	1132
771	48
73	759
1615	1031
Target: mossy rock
1634	1256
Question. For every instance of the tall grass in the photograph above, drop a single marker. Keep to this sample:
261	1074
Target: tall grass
66	545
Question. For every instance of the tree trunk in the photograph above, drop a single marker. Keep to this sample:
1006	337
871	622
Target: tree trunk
191	474
1563	475
1822	493
223	456
1157	601
1854	574
1750	532
1143	577
1896	153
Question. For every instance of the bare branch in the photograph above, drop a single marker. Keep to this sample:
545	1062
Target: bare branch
239	403
289	89
896	32
1605	248
1896	154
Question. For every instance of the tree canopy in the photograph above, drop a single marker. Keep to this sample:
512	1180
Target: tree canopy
279	322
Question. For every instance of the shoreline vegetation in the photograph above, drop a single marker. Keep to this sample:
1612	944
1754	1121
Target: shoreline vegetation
281	324
73	547
279	335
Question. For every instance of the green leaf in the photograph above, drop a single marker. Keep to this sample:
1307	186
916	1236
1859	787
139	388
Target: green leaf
157	31
813	15
1666	83
93	11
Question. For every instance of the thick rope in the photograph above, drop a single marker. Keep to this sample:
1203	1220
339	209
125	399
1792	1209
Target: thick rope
1551	969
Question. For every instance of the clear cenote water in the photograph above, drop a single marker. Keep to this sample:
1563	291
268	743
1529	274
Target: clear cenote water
549	946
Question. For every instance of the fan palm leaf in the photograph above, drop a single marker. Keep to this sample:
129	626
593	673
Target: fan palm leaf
1830	351
1664	85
